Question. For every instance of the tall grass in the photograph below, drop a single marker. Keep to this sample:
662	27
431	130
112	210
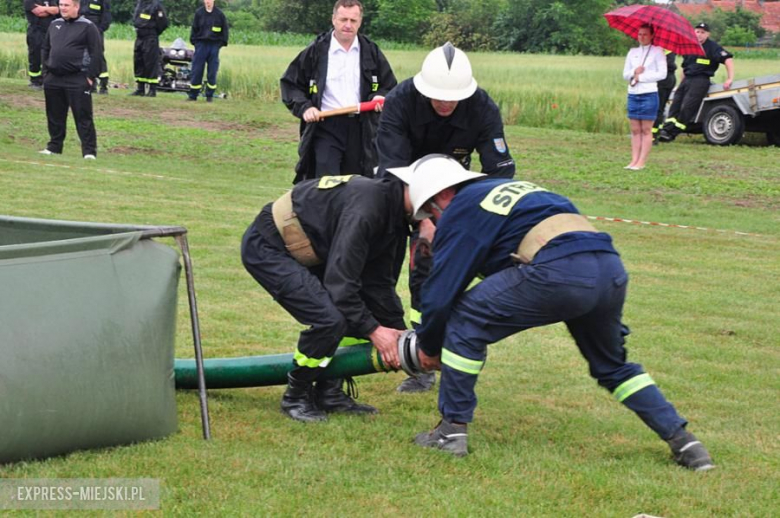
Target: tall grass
551	91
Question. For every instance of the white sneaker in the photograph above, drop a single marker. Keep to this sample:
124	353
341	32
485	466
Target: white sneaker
45	152
89	157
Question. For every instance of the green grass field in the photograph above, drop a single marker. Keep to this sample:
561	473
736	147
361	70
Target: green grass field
703	308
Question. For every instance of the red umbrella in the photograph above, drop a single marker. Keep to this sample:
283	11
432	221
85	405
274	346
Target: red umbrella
670	30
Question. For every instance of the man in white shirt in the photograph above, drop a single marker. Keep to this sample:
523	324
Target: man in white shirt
339	69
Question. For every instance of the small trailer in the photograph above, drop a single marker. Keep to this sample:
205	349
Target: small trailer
749	105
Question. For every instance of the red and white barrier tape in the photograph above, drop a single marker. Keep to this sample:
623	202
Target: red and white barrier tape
656	224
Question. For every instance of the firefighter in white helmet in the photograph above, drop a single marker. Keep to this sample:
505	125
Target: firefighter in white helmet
440	110
541	263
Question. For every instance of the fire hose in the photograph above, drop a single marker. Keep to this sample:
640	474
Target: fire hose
268	370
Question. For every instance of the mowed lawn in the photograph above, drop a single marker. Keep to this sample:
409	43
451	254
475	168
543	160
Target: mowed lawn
703	309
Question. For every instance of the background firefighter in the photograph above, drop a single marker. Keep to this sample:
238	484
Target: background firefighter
209	33
99	13
440	110
335	271
40	14
340	68
149	21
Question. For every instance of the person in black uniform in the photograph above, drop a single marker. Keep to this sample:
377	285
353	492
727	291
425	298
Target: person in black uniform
340	68
40	14
330	252
99	13
697	73
665	88
149	21
440	110
71	57
208	34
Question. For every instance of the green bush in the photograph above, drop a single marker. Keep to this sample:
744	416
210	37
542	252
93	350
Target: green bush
739	36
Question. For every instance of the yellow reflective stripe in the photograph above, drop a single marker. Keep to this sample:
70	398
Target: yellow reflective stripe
304	361
656	130
680	125
196	87
349	341
34	74
702	61
502	198
96	7
672	120
329	182
103	75
216	29
632	386
459	363
145	16
415	317
209	85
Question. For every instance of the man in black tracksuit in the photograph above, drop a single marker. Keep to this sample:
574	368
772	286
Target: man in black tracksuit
40	14
71	56
208	34
149	21
697	73
343	144
99	13
335	271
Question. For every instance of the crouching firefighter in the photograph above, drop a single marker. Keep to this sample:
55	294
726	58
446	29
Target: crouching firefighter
542	263
330	252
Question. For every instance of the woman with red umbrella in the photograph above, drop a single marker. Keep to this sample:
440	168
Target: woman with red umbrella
645	66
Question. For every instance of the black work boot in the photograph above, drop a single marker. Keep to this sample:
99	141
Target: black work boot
139	91
689	452
447	436
331	398
103	86
152	90
298	401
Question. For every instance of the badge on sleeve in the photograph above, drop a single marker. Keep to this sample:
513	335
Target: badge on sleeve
500	145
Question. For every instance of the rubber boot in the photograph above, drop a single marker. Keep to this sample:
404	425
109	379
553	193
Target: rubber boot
152	90
331	398
298	401
103	86
139	89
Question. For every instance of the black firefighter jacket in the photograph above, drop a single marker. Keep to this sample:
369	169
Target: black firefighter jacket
304	81
357	227
97	12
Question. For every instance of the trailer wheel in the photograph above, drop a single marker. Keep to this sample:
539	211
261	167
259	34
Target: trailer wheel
723	125
773	137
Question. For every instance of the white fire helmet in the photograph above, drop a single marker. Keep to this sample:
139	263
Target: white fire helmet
446	75
430	175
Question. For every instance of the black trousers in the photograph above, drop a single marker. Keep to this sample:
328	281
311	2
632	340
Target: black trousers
79	100
146	59
685	105
664	91
35	37
300	291
337	146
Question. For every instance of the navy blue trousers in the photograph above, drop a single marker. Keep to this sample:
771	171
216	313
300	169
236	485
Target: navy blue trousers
586	291
206	55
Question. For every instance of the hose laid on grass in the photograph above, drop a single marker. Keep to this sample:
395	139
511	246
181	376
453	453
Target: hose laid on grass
263	371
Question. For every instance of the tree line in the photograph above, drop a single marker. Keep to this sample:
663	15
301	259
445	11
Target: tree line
538	26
